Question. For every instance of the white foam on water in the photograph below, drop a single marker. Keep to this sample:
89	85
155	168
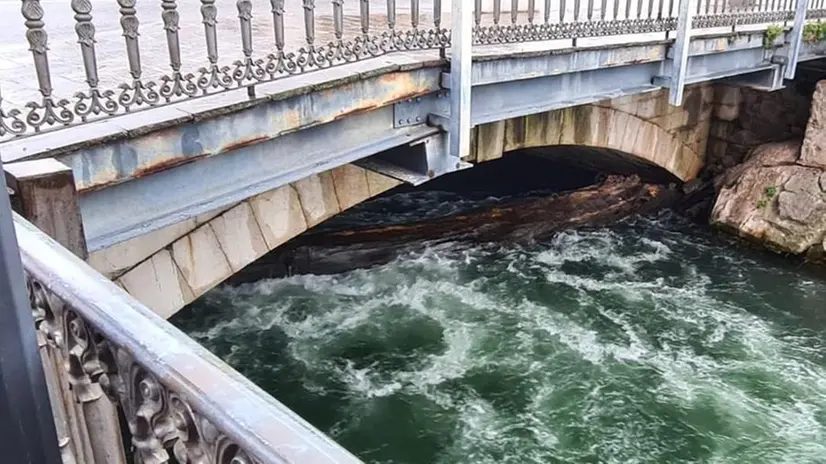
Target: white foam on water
591	367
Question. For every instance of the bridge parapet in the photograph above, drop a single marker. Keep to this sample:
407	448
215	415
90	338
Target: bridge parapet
100	348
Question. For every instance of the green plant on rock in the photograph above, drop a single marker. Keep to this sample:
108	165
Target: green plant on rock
772	33
768	194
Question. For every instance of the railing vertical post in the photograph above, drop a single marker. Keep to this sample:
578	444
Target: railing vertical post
170	24
460	80
338	19
278	25
138	92
26	422
209	13
797	38
67	440
178	84
309	23
38	43
680	60
414	13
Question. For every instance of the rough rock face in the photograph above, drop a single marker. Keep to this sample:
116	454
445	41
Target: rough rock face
813	151
745	118
778	195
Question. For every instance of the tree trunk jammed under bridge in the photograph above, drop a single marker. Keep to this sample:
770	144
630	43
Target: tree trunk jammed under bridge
518	221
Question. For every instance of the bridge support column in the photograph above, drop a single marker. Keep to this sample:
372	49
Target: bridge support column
797	38
47	198
460	80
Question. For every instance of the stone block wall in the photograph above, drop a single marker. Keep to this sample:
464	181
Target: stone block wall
777	196
744	118
688	123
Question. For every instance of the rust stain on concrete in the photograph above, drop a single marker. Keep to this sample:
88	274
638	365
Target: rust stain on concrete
243	143
309	110
165	164
141	171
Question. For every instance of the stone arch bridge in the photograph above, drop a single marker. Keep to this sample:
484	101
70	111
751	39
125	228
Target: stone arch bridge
173	204
153	149
167	145
169	268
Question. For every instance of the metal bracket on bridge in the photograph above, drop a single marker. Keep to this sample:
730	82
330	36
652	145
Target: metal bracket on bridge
768	80
459	82
415	111
417	162
432	156
448	109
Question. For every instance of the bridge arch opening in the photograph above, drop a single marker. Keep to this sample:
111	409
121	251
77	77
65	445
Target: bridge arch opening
643	126
519	176
639	134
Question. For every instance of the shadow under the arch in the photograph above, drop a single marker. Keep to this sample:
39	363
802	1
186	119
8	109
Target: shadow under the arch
520	176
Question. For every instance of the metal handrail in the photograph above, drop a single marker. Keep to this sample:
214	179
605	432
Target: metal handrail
176	397
353	30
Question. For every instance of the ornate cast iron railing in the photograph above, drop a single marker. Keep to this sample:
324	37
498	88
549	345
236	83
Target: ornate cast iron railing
102	348
301	36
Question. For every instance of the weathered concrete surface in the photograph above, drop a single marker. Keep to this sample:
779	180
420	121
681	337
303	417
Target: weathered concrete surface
171	267
643	125
777	197
279	214
113	261
103	165
158	283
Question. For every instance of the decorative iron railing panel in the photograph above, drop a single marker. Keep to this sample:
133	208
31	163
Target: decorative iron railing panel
108	59
177	399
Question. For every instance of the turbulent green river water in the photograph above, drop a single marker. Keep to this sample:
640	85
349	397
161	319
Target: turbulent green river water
646	342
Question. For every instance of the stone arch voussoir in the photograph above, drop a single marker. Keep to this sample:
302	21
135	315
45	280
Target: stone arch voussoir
672	141
195	257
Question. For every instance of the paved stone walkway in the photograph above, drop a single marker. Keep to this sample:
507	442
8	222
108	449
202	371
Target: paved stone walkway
17	74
